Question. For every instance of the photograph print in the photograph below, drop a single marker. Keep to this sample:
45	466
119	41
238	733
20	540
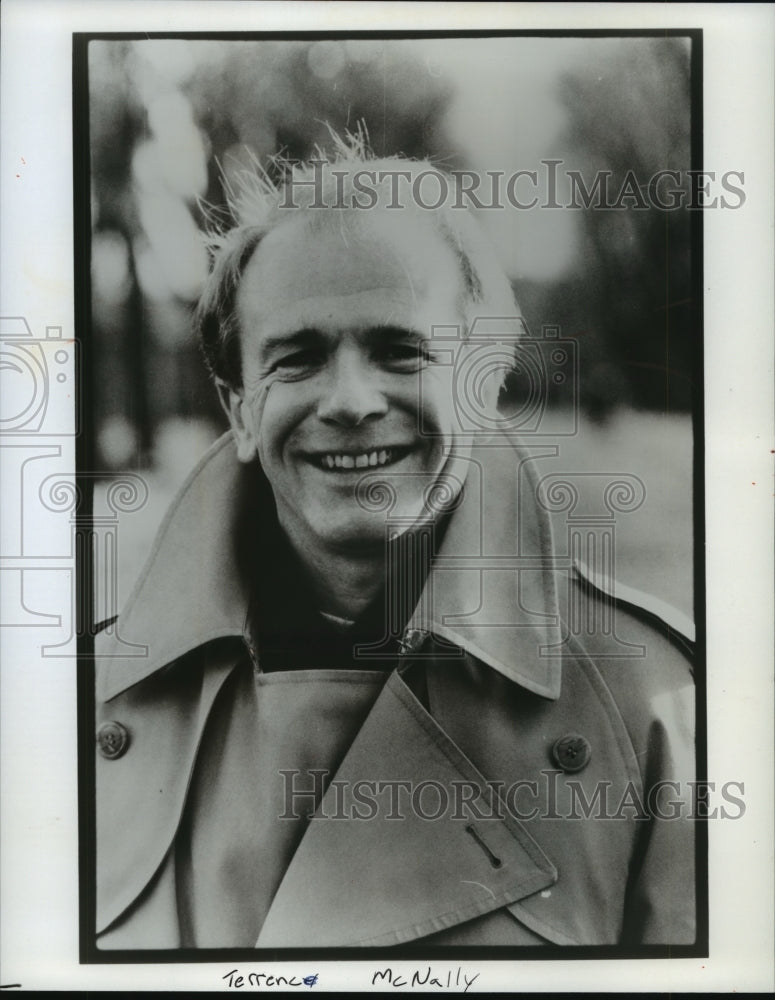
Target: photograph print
392	598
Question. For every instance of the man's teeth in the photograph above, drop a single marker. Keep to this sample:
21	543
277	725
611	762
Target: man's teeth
370	458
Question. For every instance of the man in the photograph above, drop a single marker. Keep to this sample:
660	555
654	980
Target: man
363	718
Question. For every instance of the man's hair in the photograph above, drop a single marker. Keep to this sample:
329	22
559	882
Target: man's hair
256	205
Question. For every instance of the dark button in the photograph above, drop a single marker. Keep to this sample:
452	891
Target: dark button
412	640
113	740
572	752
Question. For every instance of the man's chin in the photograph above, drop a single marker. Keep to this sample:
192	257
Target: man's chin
357	535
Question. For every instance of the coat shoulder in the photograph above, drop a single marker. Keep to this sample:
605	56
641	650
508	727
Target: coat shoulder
643	651
642	617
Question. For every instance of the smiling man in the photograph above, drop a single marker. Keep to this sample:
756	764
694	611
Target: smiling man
366	716
339	317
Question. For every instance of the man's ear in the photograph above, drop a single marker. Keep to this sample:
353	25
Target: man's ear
233	403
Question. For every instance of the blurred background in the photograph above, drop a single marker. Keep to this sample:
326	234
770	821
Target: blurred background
169	117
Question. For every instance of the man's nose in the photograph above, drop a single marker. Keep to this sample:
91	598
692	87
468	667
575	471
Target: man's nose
352	393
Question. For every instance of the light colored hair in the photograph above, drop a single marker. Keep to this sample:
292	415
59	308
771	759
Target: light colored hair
256	205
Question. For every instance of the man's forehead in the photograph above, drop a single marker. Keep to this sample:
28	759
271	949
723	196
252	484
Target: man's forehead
335	254
331	239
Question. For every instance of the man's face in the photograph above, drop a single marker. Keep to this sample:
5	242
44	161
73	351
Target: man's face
339	379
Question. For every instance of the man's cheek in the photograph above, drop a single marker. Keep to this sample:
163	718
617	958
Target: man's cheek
260	420
279	417
437	411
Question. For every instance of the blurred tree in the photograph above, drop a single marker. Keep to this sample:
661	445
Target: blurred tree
631	117
284	97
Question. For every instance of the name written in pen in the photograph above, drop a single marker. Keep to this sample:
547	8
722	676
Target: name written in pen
424	977
263	980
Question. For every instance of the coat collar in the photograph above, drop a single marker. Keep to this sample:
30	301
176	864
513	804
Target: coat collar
191	591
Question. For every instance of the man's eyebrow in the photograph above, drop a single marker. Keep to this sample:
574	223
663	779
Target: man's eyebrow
387	331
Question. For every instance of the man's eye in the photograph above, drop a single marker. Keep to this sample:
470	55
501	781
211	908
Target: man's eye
299	362
405	356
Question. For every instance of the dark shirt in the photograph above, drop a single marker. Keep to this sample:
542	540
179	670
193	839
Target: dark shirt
287	628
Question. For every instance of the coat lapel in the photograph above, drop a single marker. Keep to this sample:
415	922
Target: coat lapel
491	589
190	591
401	875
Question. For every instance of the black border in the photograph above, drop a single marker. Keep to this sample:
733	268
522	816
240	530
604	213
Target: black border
85	460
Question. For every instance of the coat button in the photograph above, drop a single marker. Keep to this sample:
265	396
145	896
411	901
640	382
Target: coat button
412	640
112	740
571	752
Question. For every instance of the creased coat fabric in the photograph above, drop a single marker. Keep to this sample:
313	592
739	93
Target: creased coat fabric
527	851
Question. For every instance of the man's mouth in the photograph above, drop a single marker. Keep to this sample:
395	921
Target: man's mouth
345	461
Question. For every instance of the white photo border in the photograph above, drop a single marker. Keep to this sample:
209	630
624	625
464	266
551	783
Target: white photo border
39	846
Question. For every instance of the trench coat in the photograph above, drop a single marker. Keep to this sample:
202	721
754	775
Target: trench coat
533	716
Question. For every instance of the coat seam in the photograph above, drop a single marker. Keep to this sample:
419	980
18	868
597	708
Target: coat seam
502	900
